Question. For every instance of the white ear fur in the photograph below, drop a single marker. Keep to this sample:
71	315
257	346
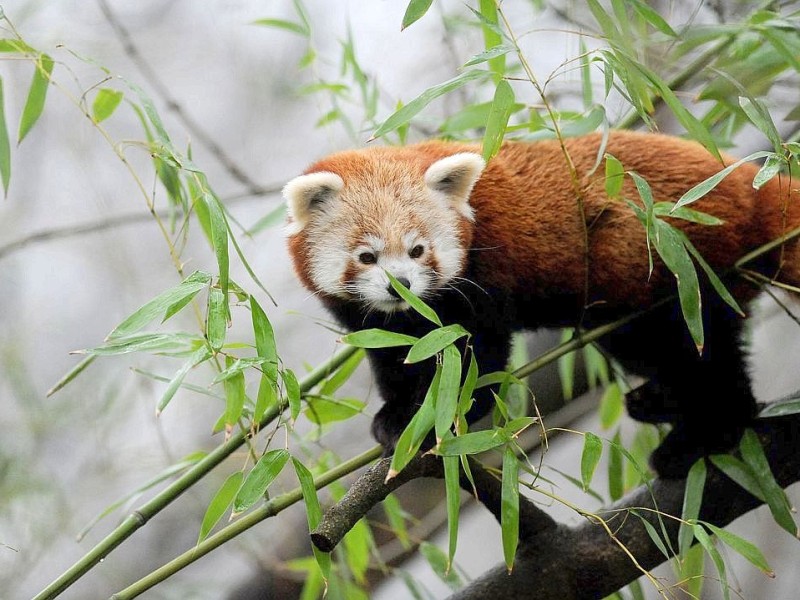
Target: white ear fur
455	176
305	193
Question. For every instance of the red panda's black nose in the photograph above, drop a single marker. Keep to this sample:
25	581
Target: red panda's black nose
392	292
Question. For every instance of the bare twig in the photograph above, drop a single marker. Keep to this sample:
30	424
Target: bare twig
132	51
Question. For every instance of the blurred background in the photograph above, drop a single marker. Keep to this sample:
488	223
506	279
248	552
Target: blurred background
79	251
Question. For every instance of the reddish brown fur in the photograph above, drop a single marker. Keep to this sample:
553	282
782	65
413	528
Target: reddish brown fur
530	236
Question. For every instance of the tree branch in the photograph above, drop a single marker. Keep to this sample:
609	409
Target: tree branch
585	562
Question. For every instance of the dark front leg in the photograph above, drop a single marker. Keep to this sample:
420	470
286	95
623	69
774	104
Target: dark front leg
707	398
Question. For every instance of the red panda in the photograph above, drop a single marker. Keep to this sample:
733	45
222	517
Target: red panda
525	242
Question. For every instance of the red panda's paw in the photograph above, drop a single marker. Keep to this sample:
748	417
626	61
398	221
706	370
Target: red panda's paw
649	403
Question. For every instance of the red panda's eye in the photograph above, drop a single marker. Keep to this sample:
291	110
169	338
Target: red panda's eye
367	258
416	251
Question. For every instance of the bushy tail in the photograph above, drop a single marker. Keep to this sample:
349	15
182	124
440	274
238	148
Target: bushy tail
779	209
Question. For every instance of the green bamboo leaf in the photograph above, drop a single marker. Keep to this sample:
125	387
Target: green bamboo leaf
201	355
434	342
292	392
739	472
5	146
410	110
320	410
415	10
34	103
673	252
772	166
216	318
170	344
266	398
502	106
313	513
704	187
786	406
716	282
515	426
255	485
265	339
219	241
615	176
616	473
711	550
378	338
397	519
339	377
667	209
590	457
105	103
163	304
453	493
219	504
509	507
653	534
234	396
283	24
470	380
566	366
474	442
274	217
439	563
586	75
447	397
760	117
16	46
238	365
753	455
414	434
492	34
414	302
692	500
71	374
652	17
746	549
493	52
501	377
611	405
357	545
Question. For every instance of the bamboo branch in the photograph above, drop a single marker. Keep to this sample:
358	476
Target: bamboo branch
269	509
585	562
139	517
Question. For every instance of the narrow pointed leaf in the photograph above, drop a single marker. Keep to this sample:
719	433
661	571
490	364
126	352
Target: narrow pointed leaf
434	342
162	304
34	104
500	112
378	338
509	507
234	396
105	103
474	442
415	10
590	457
255	485
753	455
416	303
449	384
414	434
313	513
410	110
712	551
453	491
5	146
219	504
216	319
265	339
201	355
692	500
292	392
615	176
747	549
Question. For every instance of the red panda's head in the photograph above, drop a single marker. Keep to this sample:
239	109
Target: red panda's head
357	215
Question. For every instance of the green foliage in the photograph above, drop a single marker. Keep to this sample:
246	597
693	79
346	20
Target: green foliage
733	66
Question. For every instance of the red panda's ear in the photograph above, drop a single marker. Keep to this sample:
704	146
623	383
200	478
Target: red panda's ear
307	193
454	177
